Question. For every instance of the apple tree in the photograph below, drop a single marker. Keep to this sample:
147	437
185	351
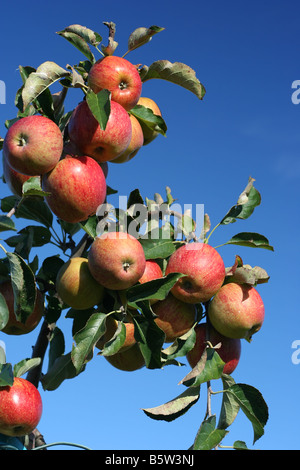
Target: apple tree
141	286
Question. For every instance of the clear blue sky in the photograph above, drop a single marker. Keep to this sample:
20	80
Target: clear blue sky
246	54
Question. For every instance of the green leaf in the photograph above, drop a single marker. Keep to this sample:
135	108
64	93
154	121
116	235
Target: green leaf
253	405
31	207
56	346
37	82
177	73
209	367
6	375
249	199
157	248
250	239
2	352
6	223
149	119
155	289
141	36
230	407
25	365
181	346
112	346
32	187
175	408
99	104
208	436
4	312
62	369
86	338
80	36
245	274
28	237
240	445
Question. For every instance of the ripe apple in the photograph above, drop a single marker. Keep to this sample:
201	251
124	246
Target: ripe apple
20	408
136	142
76	286
111	328
149	134
175	317
13	178
204	271
152	271
77	186
237	311
116	260
229	352
70	150
13	326
33	145
103	145
129	360
120	77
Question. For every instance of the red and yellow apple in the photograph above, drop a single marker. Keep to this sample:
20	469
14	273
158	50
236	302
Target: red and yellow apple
76	286
136	142
203	268
149	134
77	187
116	260
237	311
13	178
129	360
103	145
33	145
20	408
120	77
229	350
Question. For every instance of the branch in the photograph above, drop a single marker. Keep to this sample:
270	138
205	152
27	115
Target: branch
39	350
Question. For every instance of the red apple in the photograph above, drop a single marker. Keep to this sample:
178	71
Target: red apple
204	271
152	271
70	150
103	145
120	77
237	311
77	187
20	408
136	142
229	351
149	134
76	286
116	260
175	317
129	360
13	326
13	178
33	145
111	327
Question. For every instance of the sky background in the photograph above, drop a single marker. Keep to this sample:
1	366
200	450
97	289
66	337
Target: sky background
247	56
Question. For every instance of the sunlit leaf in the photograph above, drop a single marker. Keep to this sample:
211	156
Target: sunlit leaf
208	436
141	36
99	104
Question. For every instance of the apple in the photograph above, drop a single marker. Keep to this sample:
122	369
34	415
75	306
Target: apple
149	134
13	178
120	77
33	145
229	351
70	150
129	360
136	142
103	145
116	260
20	408
13	326
204	271
174	317
237	311
77	187
76	286
111	327
152	271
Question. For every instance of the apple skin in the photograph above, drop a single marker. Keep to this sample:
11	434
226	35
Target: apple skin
229	352
120	77
70	150
77	186
76	286
33	145
111	328
149	135
152	271
204	271
103	145
13	326
116	260
13	178
237	311
20	408
175	317
137	141
129	360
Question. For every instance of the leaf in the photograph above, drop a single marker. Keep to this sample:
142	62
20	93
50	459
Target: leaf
6	375
240	445
86	338
28	237
2	352
208	436
253	405
245	274
25	365
31	207
32	187
157	248
250	239
177	73
56	346
79	43
246	204
230	407
155	289
151	120
4	312
37	82
209	367
181	346
141	36
88	35
99	104
6	223
112	346
175	408
62	369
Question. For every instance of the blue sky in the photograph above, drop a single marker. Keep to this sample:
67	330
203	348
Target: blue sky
246	55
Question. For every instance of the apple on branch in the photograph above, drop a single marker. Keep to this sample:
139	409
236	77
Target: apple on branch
137	141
